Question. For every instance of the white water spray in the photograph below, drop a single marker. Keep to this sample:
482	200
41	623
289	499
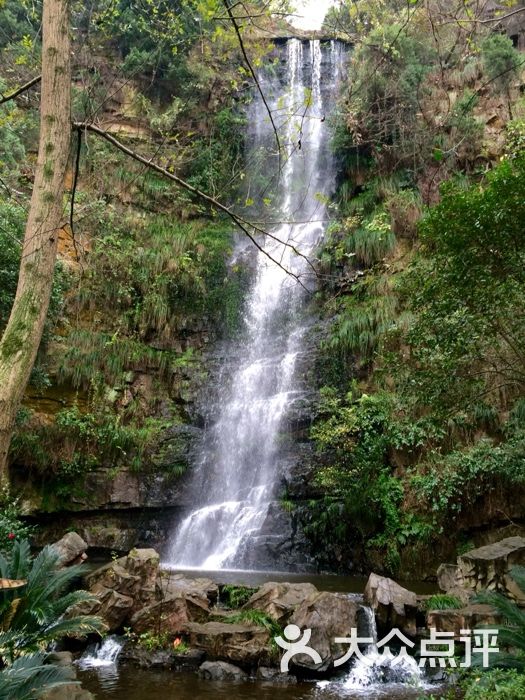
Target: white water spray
103	655
236	479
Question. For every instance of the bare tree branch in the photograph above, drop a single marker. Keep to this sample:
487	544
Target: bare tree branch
245	226
20	90
490	20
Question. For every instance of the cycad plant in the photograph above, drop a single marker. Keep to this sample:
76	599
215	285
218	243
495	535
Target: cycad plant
34	614
511	633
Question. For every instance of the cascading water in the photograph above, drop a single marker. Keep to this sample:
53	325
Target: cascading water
377	668
102	655
235	480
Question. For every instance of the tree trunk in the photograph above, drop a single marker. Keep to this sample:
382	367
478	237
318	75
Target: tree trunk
21	338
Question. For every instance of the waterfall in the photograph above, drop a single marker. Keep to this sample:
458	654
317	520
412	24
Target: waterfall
237	475
376	667
101	655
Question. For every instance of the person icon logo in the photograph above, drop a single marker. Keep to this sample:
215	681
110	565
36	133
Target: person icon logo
295	644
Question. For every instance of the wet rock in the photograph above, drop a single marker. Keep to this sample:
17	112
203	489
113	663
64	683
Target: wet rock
144	563
177	584
69	691
99	491
448	577
122	587
176	447
393	605
60	658
489	567
469	617
279	545
247	645
71	549
113	607
113	538
328	615
171	614
115	576
221	671
279	600
161	658
269	674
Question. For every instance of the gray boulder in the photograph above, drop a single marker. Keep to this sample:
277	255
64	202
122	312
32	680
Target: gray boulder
328	615
393	605
247	645
71	549
489	567
221	671
279	600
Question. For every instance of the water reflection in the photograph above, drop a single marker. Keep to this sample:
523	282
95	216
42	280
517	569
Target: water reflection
137	684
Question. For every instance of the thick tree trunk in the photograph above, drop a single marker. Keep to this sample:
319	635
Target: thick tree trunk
21	338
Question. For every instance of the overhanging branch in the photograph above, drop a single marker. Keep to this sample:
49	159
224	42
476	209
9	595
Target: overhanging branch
20	90
241	223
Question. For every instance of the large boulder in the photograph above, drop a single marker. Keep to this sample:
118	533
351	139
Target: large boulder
145	564
71	549
247	645
113	607
175	585
179	600
468	618
393	605
279	600
448	577
169	659
171	614
221	671
123	587
115	576
328	615
489	567
450	581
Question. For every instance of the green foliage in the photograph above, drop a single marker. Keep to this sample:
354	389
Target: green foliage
362	494
362	319
12	527
256	617
389	87
448	484
35	614
515	133
372	240
218	157
29	676
443	342
501	60
496	685
443	602
467	292
511	634
79	442
11	232
236	596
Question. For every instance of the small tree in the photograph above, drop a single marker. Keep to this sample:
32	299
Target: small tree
501	61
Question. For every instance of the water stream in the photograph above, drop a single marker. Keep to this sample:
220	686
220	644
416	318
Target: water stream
237	474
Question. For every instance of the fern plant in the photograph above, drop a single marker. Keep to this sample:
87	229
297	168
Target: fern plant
28	676
34	614
511	634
